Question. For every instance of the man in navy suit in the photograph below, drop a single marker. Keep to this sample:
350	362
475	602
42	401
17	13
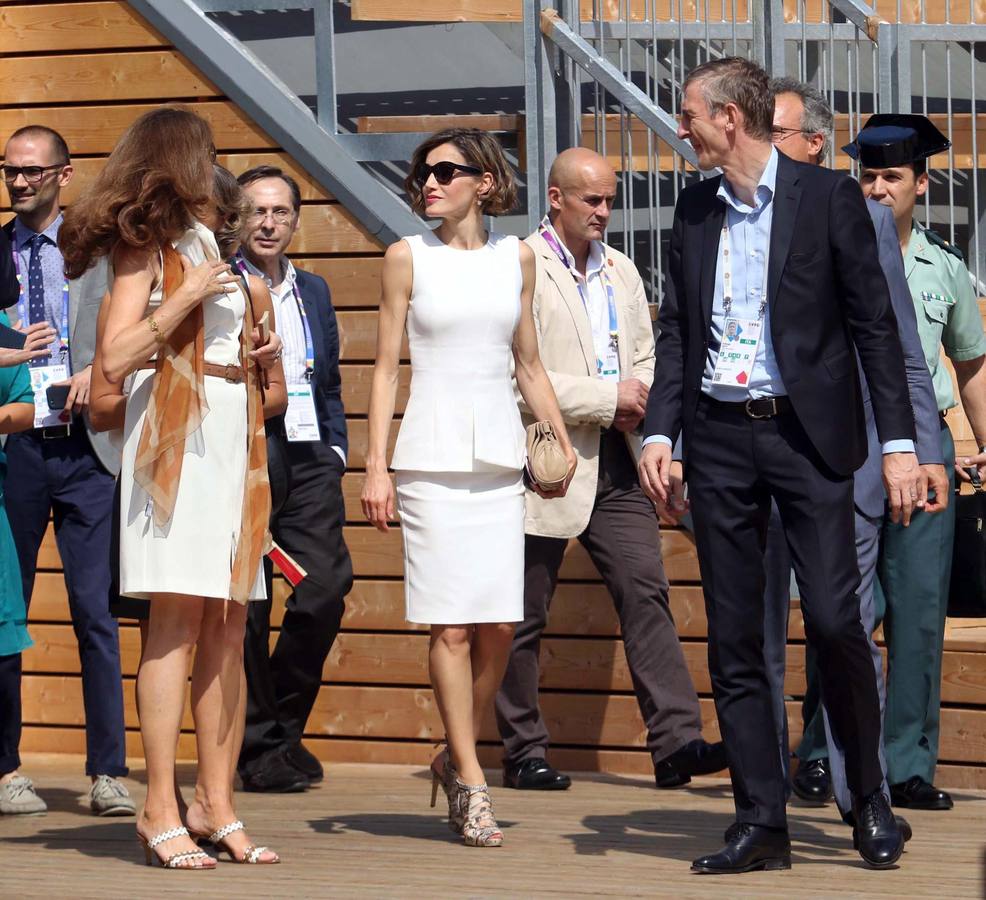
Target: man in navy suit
306	459
803	129
773	291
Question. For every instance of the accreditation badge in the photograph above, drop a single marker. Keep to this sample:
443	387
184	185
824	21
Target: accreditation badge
301	420
738	352
43	377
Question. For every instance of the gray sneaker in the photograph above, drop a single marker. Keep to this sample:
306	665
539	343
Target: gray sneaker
108	797
17	798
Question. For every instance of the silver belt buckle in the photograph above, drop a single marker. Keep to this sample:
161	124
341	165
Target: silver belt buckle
55	432
753	415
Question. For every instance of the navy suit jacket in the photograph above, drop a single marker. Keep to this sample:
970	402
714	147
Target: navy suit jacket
9	288
327	382
868	486
828	301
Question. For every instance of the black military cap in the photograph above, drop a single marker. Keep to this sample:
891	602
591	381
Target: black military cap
896	139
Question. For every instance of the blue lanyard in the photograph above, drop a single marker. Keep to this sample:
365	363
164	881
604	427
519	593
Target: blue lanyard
552	242
309	341
22	305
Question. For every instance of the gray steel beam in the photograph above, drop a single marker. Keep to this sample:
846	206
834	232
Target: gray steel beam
539	109
270	103
861	14
716	31
253	5
626	93
325	67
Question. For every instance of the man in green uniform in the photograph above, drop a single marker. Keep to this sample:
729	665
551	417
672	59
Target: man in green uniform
915	563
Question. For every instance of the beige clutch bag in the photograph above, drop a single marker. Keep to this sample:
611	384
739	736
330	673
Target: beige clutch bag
546	463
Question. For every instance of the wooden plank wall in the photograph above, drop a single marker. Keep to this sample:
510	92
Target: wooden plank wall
87	69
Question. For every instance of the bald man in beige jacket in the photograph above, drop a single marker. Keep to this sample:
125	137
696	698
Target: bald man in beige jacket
597	343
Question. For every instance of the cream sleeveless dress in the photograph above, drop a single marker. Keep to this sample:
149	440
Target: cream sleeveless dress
194	553
460	451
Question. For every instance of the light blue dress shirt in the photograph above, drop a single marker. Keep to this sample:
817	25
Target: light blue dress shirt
52	268
748	233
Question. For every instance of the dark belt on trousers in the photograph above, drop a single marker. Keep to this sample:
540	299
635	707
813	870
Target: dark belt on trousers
763	408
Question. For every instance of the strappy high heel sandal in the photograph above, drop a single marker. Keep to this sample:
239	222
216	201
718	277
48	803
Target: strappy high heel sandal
443	775
479	828
252	853
187	859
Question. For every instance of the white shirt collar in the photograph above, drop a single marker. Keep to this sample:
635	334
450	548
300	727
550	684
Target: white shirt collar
597	256
287	283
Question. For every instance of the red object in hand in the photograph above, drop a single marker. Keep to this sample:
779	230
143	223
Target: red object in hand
290	569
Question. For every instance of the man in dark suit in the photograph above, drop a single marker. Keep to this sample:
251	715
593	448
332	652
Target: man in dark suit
773	284
803	128
306	458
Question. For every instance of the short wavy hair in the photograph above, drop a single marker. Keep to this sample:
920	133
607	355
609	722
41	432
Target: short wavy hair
233	208
480	149
147	194
733	79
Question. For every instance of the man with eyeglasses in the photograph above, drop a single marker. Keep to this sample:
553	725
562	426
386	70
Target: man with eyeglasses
307	459
803	127
60	468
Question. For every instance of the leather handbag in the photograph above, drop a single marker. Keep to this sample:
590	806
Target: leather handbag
546	463
967	593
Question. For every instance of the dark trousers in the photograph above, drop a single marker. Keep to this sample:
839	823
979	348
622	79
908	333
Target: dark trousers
624	542
64	478
10	713
282	685
735	466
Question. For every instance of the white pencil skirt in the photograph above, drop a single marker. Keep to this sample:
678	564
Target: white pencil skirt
463	546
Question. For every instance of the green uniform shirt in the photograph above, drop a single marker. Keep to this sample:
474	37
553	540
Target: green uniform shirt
946	309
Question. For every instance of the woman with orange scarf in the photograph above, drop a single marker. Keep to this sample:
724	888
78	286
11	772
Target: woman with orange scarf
195	498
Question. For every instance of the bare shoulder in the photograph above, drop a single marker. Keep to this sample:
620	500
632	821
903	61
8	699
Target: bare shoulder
128	260
526	254
398	254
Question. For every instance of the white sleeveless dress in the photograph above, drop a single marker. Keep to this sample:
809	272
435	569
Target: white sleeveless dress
460	451
194	553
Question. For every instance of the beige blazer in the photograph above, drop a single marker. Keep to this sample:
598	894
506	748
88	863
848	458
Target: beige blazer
588	403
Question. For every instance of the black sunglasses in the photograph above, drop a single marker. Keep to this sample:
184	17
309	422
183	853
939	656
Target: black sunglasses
444	172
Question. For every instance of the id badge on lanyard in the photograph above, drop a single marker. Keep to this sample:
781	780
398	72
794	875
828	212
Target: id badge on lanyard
740	335
44	375
608	364
301	418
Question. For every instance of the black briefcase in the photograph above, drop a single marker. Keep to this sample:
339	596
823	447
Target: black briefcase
967	593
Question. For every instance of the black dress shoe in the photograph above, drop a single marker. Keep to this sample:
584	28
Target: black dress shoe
813	781
877	836
750	847
535	774
272	774
301	758
697	757
916	793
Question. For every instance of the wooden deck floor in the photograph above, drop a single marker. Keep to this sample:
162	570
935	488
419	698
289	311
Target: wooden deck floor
368	832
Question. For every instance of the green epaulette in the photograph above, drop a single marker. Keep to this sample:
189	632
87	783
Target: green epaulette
938	241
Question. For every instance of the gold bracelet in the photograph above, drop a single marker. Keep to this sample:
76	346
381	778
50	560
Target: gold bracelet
156	330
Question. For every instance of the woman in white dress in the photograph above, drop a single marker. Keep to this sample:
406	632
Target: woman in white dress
464	296
195	501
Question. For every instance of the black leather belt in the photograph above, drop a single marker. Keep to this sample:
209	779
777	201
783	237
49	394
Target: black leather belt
55	432
764	408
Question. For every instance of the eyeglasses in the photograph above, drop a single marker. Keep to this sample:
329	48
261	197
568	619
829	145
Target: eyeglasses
280	216
782	134
444	172
32	174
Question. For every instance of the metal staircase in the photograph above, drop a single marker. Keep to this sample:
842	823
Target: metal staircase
609	81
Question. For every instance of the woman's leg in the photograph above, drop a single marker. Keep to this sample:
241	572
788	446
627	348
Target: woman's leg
217	683
490	651
142	625
172	631
450	664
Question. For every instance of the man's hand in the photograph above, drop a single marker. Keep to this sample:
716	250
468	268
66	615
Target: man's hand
670	513
78	395
631	399
628	422
907	485
937	485
40	336
654	470
979	461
